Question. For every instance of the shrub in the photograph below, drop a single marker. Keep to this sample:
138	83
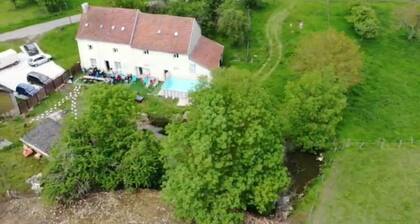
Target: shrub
364	21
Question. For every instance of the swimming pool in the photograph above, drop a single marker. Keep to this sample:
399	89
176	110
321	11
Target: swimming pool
181	85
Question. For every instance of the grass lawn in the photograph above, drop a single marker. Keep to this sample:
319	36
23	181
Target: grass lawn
62	45
386	103
26	15
369	185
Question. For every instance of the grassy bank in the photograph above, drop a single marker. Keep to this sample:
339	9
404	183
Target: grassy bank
12	18
385	104
369	185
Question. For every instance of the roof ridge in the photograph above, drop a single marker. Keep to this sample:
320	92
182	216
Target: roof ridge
134	27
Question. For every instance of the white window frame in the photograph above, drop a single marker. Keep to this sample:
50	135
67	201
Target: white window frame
93	62
193	68
117	65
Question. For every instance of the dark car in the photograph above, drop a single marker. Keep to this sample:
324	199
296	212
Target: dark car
38	78
26	90
31	49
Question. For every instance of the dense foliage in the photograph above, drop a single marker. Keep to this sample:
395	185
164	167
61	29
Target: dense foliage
54	5
329	50
409	19
141	165
233	22
364	21
228	156
101	144
314	106
134	4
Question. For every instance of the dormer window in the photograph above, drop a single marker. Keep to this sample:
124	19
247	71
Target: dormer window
146	51
176	55
115	50
90	47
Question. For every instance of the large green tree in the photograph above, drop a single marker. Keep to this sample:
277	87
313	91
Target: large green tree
101	144
233	21
329	50
228	156
313	107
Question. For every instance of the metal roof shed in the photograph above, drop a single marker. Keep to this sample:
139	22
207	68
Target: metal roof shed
42	138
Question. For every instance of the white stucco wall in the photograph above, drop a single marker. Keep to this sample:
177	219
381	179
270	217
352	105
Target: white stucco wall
131	59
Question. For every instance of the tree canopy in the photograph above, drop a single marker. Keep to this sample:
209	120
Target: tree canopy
101	144
233	21
228	156
329	50
314	105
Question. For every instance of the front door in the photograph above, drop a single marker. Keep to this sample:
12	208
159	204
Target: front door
140	70
107	65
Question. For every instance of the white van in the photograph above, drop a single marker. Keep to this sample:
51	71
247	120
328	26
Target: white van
7	58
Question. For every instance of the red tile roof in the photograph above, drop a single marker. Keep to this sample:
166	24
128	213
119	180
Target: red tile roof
146	31
163	33
207	53
107	24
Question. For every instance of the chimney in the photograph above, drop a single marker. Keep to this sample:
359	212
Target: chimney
85	7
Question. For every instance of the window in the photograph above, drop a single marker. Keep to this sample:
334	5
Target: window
93	62
117	66
115	50
146	52
176	55
192	68
90	47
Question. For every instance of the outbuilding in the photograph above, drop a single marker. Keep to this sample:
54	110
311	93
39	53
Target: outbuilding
42	138
8	104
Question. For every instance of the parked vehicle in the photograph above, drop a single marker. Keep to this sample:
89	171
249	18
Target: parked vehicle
38	60
30	49
38	78
26	89
8	58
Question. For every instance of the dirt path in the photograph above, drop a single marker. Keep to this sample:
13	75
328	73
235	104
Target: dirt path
273	31
107	207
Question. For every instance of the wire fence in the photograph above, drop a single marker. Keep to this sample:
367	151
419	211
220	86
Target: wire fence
378	143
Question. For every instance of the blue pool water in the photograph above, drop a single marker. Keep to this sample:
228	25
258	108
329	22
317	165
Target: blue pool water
181	85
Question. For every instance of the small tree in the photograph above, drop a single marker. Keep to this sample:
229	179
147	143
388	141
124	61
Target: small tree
409	20
364	21
54	5
228	156
314	106
332	51
234	24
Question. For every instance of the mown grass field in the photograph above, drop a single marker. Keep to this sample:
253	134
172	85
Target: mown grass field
368	185
372	184
12	18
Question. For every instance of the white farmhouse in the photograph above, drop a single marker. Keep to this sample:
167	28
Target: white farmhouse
167	48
